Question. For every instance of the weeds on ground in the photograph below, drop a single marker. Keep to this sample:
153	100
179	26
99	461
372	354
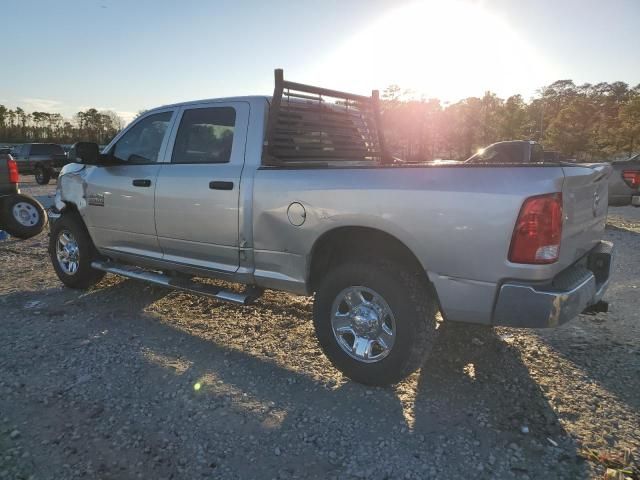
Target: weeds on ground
619	466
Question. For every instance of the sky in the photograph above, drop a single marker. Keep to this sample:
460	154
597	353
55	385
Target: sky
126	56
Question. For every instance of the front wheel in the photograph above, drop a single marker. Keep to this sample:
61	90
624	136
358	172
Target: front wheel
72	251
42	175
375	321
22	216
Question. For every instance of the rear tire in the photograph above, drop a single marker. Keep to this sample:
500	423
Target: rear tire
395	308
22	216
42	175
72	251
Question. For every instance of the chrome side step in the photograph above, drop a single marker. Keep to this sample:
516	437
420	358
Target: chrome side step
176	283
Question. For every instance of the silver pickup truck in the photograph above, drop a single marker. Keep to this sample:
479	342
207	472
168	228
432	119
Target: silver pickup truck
296	192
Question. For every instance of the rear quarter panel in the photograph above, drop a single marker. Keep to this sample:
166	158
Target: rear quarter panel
458	221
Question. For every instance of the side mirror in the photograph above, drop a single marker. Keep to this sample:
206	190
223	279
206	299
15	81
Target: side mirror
87	153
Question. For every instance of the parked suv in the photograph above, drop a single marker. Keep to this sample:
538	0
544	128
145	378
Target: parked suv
20	215
44	160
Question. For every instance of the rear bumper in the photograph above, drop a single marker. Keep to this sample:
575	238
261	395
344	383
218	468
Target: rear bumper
569	294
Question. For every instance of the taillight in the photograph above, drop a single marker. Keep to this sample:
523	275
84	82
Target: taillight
536	236
12	166
631	178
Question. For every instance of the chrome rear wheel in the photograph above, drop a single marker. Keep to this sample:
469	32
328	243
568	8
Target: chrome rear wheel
363	324
375	320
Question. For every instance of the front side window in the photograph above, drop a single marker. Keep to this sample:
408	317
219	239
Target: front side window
142	142
205	136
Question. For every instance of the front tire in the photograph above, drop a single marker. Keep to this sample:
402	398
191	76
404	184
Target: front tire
23	216
72	251
43	176
375	321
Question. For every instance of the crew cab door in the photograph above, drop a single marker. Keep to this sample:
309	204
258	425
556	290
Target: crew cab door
120	198
198	189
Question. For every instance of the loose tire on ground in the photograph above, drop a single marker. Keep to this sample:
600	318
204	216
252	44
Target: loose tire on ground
22	216
42	175
413	305
69	231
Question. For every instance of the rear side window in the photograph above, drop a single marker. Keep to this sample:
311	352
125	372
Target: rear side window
46	149
205	136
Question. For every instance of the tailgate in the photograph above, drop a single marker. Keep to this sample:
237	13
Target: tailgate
585	205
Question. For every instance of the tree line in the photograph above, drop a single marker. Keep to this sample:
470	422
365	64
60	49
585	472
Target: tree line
586	122
91	125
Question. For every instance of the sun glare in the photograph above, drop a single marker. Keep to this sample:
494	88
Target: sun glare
449	50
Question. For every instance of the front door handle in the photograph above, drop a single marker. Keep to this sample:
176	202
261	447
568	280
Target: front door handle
142	182
218	185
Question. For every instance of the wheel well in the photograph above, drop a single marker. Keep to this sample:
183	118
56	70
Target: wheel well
71	207
348	243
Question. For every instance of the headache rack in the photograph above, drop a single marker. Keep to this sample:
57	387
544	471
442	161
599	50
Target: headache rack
312	125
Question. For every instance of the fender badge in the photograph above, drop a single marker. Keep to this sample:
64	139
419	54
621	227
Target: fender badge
95	199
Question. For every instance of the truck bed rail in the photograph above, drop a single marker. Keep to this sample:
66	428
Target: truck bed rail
310	124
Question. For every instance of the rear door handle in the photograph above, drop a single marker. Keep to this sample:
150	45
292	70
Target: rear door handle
218	185
141	183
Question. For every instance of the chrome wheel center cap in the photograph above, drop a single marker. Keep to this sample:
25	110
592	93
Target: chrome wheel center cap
363	324
365	320
72	251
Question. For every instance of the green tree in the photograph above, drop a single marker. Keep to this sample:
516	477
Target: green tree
571	130
629	131
513	121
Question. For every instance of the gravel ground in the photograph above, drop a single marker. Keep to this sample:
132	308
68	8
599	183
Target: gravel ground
133	381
